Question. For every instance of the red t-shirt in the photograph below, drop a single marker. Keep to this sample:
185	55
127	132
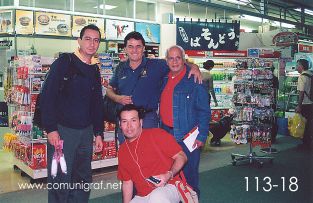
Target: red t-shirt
166	101
147	157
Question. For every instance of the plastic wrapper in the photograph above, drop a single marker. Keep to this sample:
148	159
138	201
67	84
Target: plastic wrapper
296	125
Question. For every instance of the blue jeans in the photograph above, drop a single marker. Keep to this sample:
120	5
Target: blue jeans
151	120
191	168
77	150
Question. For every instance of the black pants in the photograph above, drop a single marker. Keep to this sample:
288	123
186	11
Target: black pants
77	149
307	112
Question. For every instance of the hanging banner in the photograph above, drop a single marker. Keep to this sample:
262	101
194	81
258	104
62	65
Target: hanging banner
81	21
117	30
150	32
24	22
207	35
6	22
53	24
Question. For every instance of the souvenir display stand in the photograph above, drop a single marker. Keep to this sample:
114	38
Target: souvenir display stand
252	102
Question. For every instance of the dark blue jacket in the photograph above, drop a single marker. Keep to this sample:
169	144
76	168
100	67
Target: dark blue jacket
79	103
190	108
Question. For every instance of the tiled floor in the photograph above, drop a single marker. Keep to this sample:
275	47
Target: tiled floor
9	178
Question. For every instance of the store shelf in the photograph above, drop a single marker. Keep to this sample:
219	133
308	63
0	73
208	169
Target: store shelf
224	82
104	163
34	174
42	173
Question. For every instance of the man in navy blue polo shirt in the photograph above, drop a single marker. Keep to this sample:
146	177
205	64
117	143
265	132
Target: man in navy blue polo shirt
138	80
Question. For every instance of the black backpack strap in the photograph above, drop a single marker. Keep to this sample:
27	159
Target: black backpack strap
310	76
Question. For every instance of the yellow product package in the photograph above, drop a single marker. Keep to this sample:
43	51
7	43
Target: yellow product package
296	125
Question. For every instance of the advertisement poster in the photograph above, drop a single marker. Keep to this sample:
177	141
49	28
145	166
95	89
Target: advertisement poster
150	32
53	24
81	21
24	22
117	29
6	22
207	36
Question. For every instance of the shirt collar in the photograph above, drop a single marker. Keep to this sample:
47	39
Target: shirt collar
94	59
180	75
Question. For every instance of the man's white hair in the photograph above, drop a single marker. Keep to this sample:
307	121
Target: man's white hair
176	46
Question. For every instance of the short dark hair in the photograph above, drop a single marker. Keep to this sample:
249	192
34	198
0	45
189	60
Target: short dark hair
131	107
304	63
134	35
209	64
89	27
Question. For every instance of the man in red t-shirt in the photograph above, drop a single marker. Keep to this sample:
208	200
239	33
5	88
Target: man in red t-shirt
146	153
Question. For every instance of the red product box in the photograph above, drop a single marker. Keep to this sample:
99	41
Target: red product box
33	99
37	156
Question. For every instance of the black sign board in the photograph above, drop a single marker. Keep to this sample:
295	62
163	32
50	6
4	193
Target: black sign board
207	36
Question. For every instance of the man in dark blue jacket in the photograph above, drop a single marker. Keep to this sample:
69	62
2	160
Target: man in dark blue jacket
72	112
184	106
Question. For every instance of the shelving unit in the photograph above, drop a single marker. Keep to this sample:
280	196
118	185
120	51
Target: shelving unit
253	100
29	158
222	74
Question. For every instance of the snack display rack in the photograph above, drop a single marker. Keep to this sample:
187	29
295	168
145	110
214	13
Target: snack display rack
252	102
30	150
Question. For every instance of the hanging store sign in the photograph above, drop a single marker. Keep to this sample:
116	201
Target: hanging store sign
150	32
5	43
253	52
53	24
305	48
6	26
285	39
81	21
24	22
207	35
196	53
117	30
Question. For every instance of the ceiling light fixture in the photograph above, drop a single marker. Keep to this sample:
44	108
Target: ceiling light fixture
240	2
106	7
307	11
285	25
254	18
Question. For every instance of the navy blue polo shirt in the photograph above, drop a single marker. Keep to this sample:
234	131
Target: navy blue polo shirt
147	90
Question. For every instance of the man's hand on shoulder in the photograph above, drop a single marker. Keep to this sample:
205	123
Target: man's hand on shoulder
195	71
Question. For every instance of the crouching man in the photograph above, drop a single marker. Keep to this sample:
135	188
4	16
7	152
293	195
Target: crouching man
147	153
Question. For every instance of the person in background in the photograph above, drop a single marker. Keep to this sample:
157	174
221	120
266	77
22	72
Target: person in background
74	116
183	106
140	80
145	153
208	79
305	105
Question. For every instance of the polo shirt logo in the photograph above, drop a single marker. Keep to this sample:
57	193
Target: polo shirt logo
124	77
143	73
